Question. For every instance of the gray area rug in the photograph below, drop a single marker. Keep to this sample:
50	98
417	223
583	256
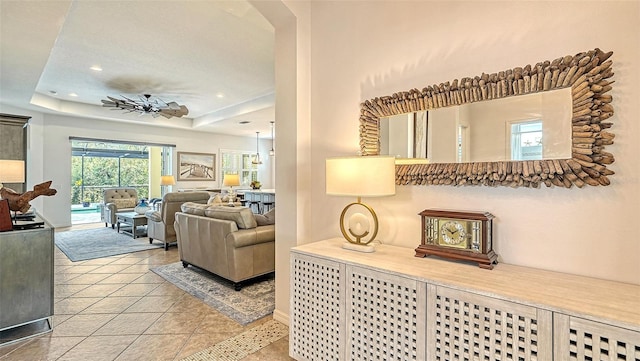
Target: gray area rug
253	302
87	244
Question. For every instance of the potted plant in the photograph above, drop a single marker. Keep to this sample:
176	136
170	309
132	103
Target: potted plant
255	184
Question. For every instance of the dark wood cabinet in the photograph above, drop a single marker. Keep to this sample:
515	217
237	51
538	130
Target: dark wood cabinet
13	142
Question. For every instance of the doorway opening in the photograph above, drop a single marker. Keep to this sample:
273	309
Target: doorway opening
97	164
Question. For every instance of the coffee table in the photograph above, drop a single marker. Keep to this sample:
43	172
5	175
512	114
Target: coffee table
132	219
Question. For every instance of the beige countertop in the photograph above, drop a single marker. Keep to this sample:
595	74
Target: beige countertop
580	296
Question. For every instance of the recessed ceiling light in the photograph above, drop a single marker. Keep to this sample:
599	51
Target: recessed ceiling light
220	95
244	122
96	68
73	94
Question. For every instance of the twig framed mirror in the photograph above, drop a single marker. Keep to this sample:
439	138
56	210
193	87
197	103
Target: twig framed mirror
586	75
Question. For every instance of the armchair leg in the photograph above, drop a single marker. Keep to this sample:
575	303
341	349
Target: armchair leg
184	264
150	240
113	226
166	246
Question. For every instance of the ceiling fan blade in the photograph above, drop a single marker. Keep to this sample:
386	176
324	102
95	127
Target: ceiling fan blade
129	99
173	105
160	103
164	114
147	105
126	106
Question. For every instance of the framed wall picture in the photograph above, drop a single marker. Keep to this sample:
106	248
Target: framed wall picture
196	166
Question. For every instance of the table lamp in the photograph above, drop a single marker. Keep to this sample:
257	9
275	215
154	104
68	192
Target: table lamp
11	171
231	180
366	176
167	180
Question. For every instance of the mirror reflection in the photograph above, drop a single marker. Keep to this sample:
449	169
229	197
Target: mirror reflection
525	127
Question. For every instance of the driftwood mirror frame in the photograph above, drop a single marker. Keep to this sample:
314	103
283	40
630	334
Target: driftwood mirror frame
587	74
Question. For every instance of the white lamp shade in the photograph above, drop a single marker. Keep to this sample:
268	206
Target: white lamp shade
367	176
11	171
167	180
231	180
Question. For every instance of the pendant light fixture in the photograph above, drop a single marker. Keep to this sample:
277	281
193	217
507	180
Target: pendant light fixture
256	159
272	152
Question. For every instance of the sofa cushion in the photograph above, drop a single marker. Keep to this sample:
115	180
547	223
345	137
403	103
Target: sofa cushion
193	208
241	215
124	203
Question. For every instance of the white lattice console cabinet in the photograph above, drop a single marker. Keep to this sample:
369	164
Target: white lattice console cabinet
390	305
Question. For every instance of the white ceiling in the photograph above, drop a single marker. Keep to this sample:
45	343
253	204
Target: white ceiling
214	57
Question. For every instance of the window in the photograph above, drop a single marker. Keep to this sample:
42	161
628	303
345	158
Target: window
97	164
526	140
239	162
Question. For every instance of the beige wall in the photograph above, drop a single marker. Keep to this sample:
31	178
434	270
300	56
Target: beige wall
155	172
360	50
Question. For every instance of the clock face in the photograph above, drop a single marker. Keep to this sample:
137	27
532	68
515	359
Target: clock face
453	233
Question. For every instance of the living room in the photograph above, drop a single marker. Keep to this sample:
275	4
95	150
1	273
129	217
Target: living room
339	54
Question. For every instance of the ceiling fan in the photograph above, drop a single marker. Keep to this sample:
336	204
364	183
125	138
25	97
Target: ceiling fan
146	105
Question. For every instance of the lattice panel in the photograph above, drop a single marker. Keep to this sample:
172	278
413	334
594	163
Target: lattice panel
315	309
593	341
473	327
381	316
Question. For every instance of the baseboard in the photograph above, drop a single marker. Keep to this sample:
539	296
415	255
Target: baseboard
281	317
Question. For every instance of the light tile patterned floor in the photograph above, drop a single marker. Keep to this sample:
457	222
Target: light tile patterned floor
116	309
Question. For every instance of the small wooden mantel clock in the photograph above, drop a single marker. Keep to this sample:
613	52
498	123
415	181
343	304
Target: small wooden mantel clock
458	235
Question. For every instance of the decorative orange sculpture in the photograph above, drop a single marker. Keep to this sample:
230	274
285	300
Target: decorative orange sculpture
20	202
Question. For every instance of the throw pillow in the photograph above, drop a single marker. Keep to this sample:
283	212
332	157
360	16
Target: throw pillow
215	200
271	215
124	203
262	220
241	215
193	208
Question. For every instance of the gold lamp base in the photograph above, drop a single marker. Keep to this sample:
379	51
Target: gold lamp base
355	237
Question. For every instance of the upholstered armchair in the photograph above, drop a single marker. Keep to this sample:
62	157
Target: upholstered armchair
116	200
160	222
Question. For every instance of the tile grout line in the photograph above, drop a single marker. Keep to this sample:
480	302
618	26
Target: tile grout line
134	263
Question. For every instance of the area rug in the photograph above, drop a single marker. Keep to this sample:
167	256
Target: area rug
246	343
253	302
87	244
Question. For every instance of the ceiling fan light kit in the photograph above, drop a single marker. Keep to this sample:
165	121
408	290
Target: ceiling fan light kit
146	105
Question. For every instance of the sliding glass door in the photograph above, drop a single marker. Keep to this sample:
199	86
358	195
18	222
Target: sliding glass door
97	164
